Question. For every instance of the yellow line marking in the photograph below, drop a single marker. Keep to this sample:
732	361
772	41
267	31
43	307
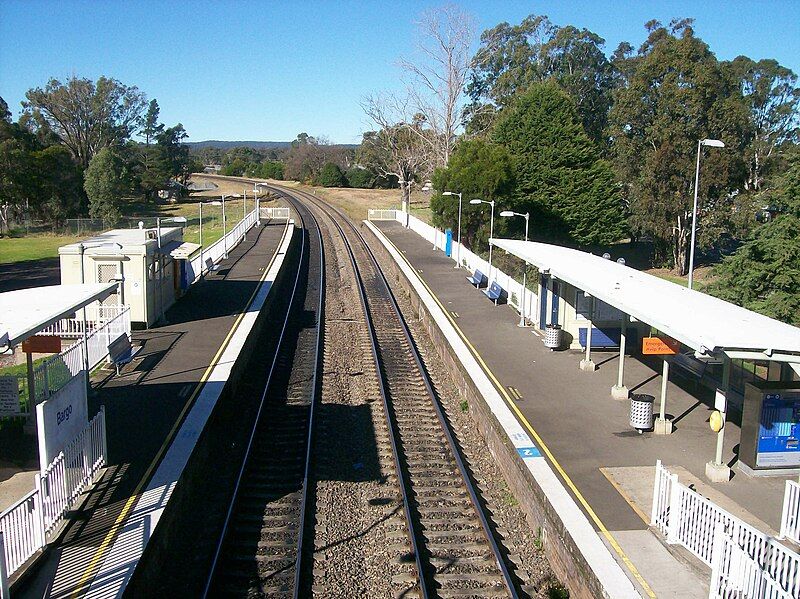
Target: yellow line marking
539	441
101	550
645	518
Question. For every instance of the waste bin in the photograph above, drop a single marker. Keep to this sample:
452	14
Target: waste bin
552	336
642	411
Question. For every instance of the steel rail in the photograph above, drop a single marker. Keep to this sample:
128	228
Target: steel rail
257	419
509	579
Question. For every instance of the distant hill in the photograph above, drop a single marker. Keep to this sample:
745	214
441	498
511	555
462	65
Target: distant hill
226	145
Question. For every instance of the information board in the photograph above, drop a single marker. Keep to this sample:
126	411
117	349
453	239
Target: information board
9	396
779	430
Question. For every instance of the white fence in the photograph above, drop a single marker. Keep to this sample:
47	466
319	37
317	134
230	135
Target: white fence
687	518
56	371
468	259
277	212
790	517
26	524
201	263
72	328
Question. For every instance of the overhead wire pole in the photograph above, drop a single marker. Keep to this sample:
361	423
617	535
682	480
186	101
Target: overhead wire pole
526	216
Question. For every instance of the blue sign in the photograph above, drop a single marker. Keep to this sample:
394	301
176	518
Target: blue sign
529	452
779	431
448	245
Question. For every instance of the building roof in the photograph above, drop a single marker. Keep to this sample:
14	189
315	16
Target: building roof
695	319
105	242
25	312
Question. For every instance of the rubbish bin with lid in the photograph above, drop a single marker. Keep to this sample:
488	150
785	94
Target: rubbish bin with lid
641	417
552	336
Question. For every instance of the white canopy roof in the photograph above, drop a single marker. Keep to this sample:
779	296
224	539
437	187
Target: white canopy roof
25	312
702	322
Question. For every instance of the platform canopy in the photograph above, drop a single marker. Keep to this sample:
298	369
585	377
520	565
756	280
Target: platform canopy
706	324
25	312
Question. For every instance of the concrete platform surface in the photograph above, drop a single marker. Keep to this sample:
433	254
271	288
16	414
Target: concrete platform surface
588	432
145	405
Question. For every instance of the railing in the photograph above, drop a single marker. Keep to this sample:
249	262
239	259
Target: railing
472	261
277	212
23	530
73	470
790	517
73	327
378	214
199	264
26	524
56	371
687	518
738	572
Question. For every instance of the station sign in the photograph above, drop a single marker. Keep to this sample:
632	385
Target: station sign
660	346
61	418
42	344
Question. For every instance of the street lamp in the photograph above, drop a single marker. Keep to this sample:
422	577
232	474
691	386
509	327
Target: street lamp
458	249
214	203
491	229
527	217
224	231
713	143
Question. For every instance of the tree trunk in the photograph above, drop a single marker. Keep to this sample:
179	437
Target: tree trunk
680	246
405	188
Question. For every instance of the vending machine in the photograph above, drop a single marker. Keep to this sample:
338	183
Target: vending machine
771	427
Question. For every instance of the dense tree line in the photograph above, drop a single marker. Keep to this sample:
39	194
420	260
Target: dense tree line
72	152
602	148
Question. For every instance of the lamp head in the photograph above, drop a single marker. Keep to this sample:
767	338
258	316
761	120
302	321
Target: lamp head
448	193
506	213
713	143
476	201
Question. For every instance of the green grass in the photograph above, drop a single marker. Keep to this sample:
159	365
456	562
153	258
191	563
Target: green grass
36	246
32	247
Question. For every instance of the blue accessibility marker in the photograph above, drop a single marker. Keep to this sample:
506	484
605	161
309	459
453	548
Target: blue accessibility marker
529	452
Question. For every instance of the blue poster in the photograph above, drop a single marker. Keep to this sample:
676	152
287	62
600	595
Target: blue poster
448	246
779	430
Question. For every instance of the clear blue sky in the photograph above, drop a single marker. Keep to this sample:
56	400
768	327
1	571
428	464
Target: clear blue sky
268	70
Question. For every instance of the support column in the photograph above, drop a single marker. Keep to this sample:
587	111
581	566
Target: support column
717	471
586	364
30	425
662	426
620	391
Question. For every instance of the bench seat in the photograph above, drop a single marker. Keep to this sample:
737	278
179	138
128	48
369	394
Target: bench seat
495	293
120	351
478	279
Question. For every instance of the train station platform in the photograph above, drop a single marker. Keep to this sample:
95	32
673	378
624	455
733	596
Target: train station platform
607	466
156	409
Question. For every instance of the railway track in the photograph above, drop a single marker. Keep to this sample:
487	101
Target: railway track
451	539
260	548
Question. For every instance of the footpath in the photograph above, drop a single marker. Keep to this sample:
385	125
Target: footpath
607	467
155	411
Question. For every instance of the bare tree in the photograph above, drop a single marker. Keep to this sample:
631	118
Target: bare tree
437	76
399	146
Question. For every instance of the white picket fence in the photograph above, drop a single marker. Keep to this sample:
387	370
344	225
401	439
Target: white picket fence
57	370
26	524
790	517
276	212
72	328
468	259
201	263
687	518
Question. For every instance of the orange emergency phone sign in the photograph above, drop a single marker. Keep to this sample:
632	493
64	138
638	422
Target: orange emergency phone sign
660	346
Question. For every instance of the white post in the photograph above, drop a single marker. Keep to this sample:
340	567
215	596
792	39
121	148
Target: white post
620	391
491	234
244	214
717	471
224	232
201	239
524	277
586	364
662	426
674	510
4	593
458	248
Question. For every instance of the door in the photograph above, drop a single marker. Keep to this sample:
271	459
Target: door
554	306
106	273
542	301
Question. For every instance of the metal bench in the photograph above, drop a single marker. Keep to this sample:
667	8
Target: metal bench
478	279
495	293
120	351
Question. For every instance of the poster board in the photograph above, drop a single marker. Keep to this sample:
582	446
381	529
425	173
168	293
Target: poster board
9	396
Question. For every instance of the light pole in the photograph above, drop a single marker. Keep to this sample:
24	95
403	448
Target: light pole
491	230
224	232
458	249
713	143
527	217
